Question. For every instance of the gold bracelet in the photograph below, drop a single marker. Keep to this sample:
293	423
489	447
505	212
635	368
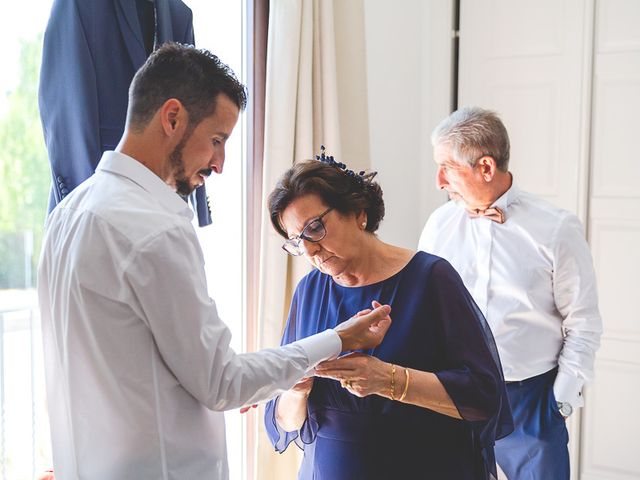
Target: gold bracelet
393	381
406	385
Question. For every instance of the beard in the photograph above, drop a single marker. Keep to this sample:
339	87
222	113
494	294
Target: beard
183	186
182	182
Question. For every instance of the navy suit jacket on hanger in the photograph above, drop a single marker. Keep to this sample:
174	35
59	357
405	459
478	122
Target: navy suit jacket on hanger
92	49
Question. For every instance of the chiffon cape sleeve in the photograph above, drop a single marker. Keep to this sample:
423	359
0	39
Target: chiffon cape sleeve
279	437
473	374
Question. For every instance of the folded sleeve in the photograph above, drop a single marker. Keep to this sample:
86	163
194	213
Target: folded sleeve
279	437
576	298
471	373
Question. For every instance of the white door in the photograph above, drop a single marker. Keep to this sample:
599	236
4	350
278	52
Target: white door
531	62
610	448
525	59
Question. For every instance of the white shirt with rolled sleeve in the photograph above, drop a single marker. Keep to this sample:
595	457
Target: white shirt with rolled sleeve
533	279
138	363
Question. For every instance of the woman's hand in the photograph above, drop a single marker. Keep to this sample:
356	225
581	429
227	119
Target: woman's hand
291	409
303	387
360	374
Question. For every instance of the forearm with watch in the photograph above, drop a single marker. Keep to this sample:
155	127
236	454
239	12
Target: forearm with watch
567	390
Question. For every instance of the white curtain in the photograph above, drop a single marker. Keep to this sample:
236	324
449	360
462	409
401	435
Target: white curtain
301	113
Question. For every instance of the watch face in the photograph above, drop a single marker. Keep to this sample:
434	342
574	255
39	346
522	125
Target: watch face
566	409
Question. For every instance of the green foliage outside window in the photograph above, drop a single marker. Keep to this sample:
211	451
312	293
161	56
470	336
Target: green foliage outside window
24	175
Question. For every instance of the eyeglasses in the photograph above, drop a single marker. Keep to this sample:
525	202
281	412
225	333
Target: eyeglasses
313	232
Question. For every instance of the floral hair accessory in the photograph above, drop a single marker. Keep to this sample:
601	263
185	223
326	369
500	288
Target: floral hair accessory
362	178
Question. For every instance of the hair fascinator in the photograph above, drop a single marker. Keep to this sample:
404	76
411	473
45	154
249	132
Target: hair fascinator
362	178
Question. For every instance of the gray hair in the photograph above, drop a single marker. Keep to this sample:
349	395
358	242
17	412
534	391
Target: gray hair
471	133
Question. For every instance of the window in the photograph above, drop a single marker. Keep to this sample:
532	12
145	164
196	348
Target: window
25	178
218	27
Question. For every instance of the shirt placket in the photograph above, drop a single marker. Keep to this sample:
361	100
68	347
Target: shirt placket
483	263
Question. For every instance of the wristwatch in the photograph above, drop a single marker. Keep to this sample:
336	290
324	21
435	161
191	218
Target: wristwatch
565	408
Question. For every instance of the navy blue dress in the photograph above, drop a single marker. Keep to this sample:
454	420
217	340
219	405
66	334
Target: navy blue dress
438	328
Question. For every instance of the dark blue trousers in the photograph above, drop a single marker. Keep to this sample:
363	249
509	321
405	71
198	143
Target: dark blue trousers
537	448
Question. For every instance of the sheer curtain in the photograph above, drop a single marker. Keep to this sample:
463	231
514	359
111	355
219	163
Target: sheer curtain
301	113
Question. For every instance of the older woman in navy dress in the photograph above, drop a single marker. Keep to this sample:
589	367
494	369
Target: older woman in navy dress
430	401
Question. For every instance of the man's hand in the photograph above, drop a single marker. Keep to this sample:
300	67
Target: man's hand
248	407
365	330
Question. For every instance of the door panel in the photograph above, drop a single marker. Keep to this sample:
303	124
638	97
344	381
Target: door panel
609	443
531	62
526	60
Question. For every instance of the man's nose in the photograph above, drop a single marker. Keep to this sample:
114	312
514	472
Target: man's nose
217	162
441	178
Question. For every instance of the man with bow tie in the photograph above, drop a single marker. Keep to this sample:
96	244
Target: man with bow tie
529	268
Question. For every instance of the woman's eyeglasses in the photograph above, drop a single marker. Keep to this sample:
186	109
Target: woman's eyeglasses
314	231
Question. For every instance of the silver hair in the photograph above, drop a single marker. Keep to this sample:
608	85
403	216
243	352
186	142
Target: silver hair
471	133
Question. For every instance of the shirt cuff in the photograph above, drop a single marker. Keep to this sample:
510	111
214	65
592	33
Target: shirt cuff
568	388
321	346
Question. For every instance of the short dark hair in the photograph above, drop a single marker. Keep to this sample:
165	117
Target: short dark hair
336	189
193	76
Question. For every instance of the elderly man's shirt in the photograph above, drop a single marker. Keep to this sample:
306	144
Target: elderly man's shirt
138	363
533	279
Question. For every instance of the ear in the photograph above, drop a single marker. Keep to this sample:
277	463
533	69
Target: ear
173	116
361	220
488	167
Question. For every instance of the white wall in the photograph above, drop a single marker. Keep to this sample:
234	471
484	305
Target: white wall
352	83
408	78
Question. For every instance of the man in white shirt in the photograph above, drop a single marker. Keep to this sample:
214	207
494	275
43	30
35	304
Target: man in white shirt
529	268
138	363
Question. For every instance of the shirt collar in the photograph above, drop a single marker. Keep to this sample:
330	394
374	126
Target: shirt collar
507	198
126	166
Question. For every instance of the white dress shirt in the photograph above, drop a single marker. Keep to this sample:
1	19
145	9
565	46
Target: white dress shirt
138	363
533	279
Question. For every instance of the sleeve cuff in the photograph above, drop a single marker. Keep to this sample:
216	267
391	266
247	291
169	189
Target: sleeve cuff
568	388
321	346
